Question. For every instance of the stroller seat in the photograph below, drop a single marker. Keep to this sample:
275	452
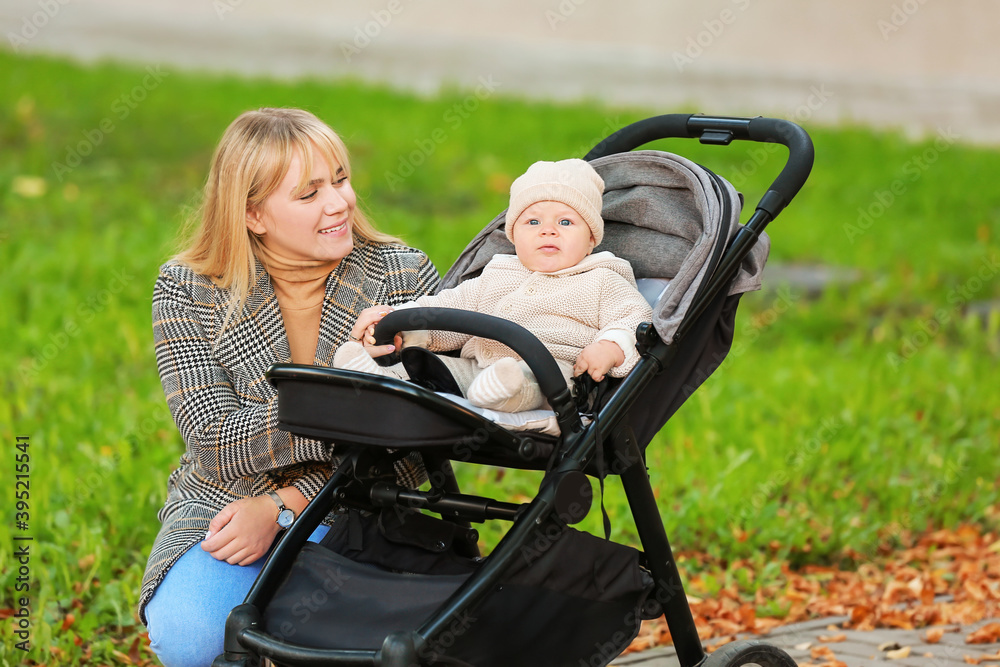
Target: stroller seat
399	579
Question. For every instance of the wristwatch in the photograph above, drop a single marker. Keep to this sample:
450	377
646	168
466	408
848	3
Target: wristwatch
286	517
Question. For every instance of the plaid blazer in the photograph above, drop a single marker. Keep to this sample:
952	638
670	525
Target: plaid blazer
223	406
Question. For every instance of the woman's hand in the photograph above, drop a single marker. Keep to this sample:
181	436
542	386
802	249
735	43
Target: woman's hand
598	358
364	331
243	531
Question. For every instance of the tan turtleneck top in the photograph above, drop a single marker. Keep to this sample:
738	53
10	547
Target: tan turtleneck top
300	286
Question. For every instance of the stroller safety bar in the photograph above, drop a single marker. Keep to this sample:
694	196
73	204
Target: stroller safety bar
522	341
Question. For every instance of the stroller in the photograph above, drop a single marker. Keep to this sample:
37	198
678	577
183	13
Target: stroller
399	579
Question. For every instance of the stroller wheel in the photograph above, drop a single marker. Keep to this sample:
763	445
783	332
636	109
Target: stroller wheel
748	652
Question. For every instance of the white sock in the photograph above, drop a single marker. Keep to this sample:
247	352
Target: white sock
505	387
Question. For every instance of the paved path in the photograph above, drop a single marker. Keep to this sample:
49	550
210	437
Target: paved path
859	649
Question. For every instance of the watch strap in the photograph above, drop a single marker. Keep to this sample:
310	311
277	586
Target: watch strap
277	500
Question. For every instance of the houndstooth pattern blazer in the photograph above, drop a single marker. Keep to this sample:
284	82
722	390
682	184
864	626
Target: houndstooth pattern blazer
226	410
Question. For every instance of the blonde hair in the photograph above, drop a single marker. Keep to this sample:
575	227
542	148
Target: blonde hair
249	163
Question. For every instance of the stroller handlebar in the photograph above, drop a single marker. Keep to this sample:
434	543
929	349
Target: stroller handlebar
523	342
722	131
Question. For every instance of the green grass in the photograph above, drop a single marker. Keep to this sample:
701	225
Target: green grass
849	420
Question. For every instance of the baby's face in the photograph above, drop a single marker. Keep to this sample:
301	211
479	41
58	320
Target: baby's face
550	236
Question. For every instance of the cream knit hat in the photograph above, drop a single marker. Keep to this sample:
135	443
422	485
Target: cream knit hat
572	182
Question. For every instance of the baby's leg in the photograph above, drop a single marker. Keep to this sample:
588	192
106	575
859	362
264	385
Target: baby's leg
463	370
352	356
506	386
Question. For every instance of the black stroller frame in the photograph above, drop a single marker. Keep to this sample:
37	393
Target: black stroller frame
608	445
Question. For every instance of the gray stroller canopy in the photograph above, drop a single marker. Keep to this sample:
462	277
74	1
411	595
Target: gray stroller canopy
669	217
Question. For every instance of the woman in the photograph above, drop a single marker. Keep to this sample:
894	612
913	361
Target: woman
279	269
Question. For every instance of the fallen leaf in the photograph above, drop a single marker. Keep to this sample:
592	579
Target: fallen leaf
133	651
975	660
68	621
898	654
933	635
822	653
889	646
804	646
121	657
832	639
988	634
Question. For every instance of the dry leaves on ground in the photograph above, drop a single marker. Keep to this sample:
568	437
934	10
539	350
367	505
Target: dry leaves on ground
988	634
945	577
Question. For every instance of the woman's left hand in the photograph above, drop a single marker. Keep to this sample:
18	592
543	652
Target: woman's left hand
243	531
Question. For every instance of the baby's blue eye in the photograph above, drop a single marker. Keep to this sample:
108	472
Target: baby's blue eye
565	222
534	221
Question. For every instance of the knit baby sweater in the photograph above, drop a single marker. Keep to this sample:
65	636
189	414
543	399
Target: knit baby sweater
567	310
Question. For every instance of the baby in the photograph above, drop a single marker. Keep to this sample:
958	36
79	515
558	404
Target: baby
583	307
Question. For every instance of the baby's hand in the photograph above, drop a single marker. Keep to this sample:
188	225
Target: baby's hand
364	330
598	358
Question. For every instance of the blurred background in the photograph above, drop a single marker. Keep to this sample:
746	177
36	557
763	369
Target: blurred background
911	64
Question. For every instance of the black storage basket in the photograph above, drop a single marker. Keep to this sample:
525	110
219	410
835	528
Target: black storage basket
569	598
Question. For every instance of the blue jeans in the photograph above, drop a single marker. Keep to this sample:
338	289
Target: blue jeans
186	618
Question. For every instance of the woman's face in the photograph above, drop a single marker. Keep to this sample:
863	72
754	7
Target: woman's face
314	223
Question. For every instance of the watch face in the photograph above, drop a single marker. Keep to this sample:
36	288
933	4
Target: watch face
285	518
